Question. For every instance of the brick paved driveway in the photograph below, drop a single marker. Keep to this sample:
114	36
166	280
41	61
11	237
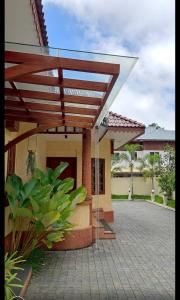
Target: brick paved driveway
139	264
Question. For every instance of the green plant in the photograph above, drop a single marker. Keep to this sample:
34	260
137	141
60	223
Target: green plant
166	178
40	208
11	263
31	161
151	167
36	259
166	182
131	159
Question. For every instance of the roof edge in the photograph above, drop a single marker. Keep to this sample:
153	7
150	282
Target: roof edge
42	25
135	124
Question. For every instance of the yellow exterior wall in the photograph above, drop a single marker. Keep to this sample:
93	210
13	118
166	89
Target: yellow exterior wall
21	157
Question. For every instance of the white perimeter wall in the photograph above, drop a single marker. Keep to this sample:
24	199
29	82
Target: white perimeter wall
120	186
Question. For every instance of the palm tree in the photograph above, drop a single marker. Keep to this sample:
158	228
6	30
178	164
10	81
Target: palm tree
130	158
115	166
151	167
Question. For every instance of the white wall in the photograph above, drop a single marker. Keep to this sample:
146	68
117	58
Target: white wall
19	22
120	186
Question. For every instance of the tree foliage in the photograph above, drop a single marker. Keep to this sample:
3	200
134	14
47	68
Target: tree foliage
166	179
151	167
155	125
129	158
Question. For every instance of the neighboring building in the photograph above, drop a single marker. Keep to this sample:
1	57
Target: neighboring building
153	141
64	121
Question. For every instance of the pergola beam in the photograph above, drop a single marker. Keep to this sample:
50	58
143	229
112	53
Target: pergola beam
40	115
67	83
50	108
52	96
49	63
13	72
42	121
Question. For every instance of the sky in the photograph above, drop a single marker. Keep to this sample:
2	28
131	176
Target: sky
142	28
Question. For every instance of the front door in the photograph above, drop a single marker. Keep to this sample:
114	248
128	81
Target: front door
70	171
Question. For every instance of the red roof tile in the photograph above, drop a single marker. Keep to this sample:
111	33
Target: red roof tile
115	120
39	7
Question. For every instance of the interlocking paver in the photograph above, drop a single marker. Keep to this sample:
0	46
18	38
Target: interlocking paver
139	264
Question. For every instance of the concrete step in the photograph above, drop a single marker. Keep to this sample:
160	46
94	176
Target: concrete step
102	229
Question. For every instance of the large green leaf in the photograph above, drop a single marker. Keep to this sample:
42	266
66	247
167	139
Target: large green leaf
34	204
50	174
42	192
59	169
78	196
38	174
10	189
48	243
16	181
57	201
65	214
55	236
64	204
29	187
39	226
66	185
22	212
50	218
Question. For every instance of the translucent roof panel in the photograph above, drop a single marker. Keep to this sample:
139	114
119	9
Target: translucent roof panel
126	64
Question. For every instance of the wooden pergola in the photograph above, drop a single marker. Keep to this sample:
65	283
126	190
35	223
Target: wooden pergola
30	105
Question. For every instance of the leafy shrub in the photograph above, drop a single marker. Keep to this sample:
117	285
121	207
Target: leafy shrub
40	208
11	263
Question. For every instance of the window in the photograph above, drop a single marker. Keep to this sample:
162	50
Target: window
152	153
101	176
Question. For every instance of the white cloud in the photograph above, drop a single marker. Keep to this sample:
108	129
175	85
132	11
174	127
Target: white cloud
144	28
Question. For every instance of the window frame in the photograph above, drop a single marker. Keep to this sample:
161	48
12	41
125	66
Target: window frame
101	191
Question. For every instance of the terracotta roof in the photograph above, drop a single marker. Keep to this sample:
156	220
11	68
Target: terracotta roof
115	120
39	7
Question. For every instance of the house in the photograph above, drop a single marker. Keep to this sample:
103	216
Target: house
153	140
62	117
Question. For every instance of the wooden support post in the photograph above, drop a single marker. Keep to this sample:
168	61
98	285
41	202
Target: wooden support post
86	166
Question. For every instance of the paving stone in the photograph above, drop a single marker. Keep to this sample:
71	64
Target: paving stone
139	264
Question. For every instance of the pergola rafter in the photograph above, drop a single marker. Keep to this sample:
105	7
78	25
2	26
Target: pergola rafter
42	105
